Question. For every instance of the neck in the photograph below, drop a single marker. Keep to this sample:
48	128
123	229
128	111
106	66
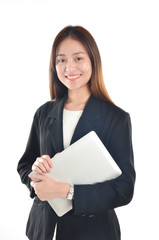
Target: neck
78	96
77	99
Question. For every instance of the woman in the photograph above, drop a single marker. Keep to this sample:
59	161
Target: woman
80	104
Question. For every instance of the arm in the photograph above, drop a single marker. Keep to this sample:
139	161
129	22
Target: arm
31	153
114	193
47	188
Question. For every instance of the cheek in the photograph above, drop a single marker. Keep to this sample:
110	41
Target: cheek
87	68
59	71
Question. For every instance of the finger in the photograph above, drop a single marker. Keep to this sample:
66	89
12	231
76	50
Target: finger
33	179
32	183
42	164
36	177
37	169
45	162
57	153
48	159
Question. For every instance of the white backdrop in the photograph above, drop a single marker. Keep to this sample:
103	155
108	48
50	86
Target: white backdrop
127	33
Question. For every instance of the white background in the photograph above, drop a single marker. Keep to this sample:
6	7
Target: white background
127	33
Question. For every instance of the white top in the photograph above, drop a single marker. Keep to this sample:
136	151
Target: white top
70	120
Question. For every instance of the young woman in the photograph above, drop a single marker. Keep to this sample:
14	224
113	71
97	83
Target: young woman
80	103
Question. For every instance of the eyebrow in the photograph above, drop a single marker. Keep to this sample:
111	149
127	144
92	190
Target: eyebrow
60	54
78	53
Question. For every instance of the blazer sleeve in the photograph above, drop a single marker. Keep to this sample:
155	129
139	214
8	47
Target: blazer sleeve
32	151
113	193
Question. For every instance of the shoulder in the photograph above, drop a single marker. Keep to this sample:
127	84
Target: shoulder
109	109
51	108
116	116
44	109
116	111
113	116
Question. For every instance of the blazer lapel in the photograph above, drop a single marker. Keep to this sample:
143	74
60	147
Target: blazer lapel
55	126
90	120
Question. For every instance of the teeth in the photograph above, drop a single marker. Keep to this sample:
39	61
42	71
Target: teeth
73	77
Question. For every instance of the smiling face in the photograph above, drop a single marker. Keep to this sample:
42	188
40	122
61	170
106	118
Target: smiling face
73	65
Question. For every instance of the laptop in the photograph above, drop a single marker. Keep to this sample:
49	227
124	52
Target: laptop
87	161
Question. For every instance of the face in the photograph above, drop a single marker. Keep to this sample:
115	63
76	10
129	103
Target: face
73	64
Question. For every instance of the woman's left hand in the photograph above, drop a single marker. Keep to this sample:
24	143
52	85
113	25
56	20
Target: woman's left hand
47	188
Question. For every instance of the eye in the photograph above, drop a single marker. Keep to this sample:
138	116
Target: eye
60	60
79	59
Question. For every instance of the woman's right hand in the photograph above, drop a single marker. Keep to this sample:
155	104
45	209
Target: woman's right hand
42	164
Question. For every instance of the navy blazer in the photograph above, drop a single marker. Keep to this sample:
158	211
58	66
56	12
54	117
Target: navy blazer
93	216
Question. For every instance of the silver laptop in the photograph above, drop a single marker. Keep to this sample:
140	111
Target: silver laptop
86	161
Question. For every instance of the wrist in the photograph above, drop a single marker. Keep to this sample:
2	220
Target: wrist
65	188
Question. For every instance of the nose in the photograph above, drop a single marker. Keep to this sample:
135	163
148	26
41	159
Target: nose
70	66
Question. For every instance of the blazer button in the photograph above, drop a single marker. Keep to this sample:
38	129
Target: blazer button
91	215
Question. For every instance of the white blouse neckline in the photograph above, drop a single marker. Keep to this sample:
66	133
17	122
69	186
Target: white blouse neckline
72	110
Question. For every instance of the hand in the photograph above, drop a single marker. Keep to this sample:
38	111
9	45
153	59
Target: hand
42	164
47	188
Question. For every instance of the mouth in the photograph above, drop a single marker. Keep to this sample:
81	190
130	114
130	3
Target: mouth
73	77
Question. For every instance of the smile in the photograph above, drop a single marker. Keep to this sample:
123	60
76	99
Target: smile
73	77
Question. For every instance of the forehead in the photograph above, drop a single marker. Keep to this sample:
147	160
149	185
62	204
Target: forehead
70	46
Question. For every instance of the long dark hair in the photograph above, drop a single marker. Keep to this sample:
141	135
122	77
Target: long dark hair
96	83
